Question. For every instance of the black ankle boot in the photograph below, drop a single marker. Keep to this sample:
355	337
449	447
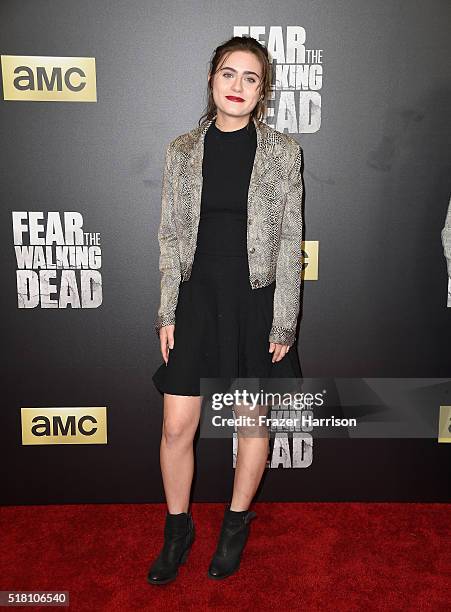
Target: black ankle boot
178	537
232	539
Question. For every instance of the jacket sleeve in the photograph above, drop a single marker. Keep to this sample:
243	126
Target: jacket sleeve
288	267
169	261
446	239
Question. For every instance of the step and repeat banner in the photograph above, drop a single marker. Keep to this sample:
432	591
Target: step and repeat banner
92	93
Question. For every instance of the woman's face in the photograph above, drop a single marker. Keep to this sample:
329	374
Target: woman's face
236	84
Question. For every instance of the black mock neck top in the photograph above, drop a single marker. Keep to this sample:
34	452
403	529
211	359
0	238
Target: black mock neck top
226	169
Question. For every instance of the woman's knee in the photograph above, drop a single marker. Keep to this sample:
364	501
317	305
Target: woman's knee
176	431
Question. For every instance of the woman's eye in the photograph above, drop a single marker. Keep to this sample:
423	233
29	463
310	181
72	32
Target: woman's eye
229	74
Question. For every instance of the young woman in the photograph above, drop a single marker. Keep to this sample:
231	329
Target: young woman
230	263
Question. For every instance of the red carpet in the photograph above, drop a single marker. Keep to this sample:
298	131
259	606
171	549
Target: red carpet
303	556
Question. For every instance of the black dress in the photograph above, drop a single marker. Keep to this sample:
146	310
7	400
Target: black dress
222	324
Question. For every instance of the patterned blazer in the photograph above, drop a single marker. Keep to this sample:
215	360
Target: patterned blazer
274	230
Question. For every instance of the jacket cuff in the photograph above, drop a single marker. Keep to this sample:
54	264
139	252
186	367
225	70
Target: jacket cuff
282	335
168	319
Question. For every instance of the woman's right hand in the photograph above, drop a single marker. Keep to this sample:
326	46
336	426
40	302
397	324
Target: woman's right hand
166	341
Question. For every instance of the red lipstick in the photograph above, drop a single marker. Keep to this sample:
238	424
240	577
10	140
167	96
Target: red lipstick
234	99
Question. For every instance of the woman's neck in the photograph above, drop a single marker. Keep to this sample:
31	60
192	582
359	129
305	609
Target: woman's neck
226	123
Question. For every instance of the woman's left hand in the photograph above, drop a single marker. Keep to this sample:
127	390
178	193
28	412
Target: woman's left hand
279	350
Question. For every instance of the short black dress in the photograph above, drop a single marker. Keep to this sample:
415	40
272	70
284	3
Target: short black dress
222	325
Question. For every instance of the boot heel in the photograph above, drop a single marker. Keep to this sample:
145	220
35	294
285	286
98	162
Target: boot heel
184	556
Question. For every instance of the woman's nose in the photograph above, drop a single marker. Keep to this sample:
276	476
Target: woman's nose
237	85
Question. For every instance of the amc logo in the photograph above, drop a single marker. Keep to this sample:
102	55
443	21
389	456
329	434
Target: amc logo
52	79
310	259
64	426
444	425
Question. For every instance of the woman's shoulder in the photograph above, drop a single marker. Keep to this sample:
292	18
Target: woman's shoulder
281	139
186	140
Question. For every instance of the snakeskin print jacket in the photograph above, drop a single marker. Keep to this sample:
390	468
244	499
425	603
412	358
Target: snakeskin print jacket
274	230
446	239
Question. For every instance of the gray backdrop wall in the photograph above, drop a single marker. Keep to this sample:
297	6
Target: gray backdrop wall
377	184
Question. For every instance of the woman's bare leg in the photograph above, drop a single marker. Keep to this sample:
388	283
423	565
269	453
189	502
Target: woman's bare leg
180	421
253	446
